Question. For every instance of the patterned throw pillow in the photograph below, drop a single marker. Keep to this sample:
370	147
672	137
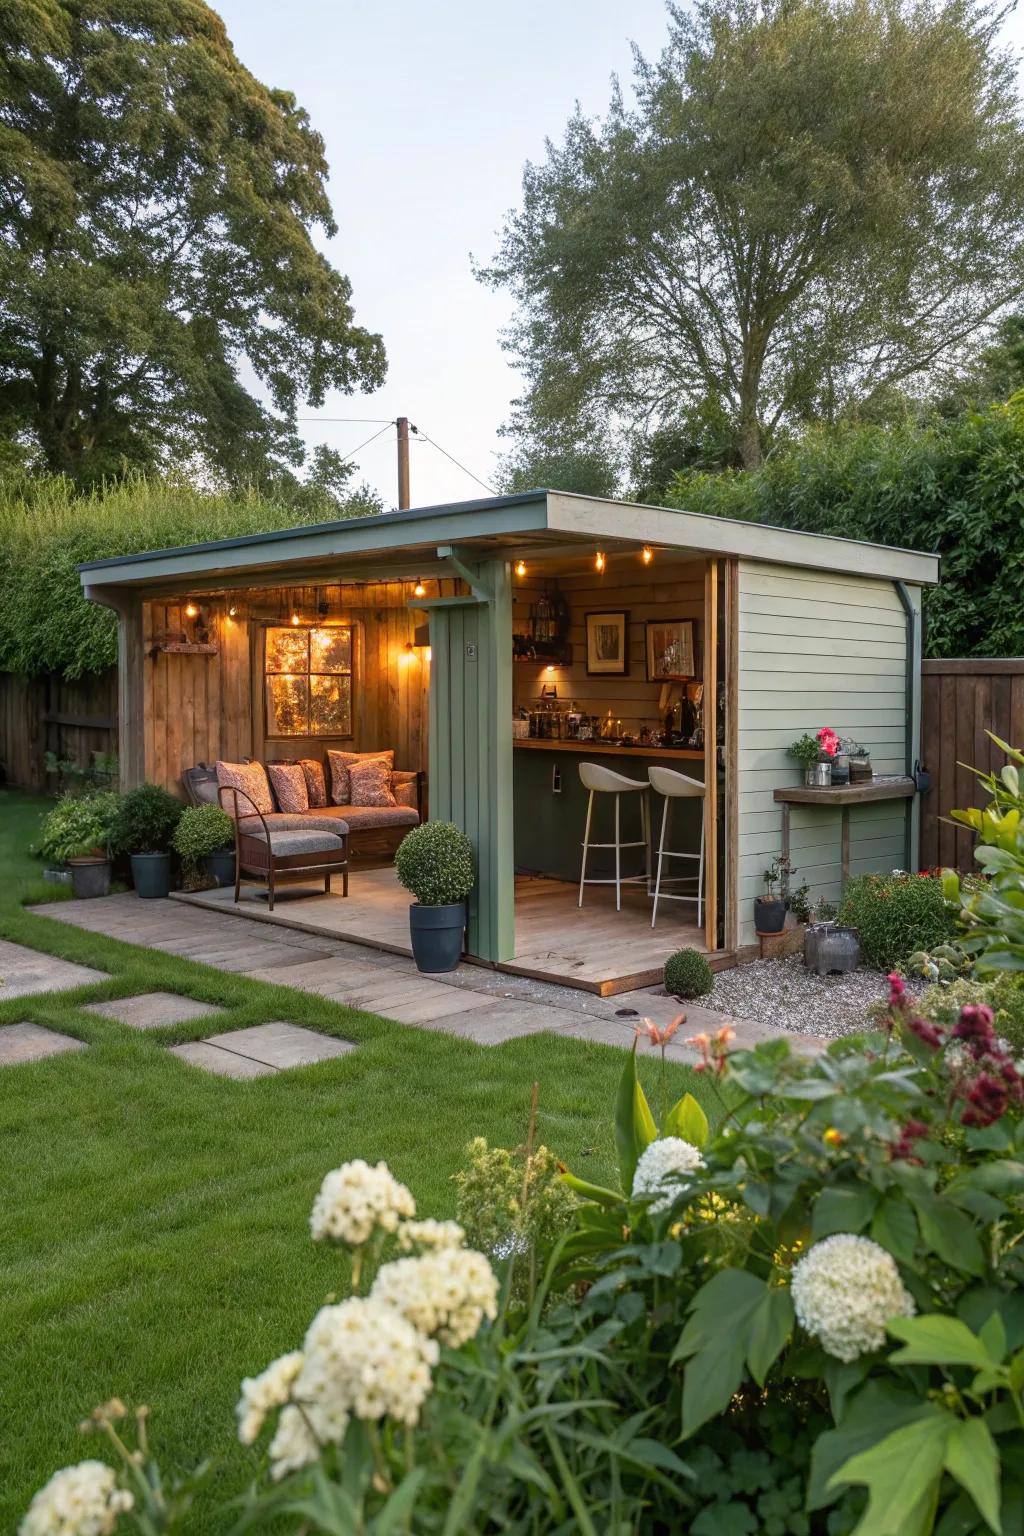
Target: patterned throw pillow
341	762
251	779
289	784
371	783
316	787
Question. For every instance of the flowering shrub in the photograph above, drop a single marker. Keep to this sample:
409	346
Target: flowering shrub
896	915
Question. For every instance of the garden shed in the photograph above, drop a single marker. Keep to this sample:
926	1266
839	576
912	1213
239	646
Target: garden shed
503	647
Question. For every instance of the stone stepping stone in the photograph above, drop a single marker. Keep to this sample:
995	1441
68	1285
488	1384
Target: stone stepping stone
31	1042
262	1048
153	1010
24	971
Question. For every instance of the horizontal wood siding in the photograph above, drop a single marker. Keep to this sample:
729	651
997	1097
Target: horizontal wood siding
816	650
963	700
47	713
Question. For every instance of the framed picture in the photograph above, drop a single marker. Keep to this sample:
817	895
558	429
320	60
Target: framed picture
670	652
607	644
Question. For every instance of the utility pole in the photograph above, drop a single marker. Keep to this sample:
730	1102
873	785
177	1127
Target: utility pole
403	462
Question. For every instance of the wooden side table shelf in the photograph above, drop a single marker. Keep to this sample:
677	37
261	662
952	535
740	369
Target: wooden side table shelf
884	787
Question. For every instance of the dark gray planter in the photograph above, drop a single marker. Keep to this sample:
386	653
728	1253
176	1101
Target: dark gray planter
221	866
838	949
769	916
151	875
437	934
90	876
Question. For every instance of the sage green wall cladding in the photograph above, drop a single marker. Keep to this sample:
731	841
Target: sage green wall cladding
471	747
817	649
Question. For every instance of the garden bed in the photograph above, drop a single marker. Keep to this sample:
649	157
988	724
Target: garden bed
789	995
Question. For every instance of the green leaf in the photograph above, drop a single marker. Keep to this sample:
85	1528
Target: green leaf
688	1121
393	1516
895	1228
734	1318
948	1232
902	1474
873	1413
730	1519
972	1458
634	1123
843	1208
770	1327
595	1192
937	1340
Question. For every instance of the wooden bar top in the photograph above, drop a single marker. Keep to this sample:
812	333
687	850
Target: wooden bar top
600	748
883	788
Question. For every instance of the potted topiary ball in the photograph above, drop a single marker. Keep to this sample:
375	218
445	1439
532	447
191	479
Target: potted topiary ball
435	863
145	826
688	974
203	841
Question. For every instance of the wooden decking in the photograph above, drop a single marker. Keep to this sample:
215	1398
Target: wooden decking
594	948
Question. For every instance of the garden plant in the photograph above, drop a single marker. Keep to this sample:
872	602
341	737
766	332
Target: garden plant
78	825
201	831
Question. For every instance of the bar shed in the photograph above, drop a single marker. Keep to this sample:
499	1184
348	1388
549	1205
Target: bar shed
507	648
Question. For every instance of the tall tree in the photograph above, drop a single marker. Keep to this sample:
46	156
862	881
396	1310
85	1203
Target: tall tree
157	213
810	201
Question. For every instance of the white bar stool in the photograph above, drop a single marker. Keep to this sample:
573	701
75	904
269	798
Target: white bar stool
604	781
677	786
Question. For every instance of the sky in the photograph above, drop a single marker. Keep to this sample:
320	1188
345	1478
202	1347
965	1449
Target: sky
428	113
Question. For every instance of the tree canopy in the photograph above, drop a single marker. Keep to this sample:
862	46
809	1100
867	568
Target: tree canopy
158	208
810	202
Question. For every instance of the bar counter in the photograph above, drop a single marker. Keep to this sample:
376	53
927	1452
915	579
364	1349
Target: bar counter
599	748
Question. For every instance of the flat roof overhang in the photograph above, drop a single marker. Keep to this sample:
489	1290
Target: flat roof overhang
420	542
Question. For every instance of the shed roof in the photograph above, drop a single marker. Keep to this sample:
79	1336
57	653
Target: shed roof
492	525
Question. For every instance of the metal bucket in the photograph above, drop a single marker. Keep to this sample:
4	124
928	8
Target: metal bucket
818	775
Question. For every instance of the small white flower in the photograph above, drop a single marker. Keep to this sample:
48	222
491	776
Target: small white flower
430	1234
845	1290
263	1393
658	1162
83	1500
294	1444
355	1199
445	1294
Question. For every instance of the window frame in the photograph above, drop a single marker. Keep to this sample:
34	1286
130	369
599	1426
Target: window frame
271	731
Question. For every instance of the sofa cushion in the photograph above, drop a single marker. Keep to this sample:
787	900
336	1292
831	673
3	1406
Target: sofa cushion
363	818
289	785
284	844
316	786
405	788
370	783
295	821
251	779
340	762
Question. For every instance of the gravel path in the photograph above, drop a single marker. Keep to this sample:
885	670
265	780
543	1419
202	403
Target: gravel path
787	994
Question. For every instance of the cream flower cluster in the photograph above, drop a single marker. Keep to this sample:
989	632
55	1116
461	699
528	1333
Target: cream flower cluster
657	1163
263	1393
430	1234
78	1501
355	1199
444	1294
845	1290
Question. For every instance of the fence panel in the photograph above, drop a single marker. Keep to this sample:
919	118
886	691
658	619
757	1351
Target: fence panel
960	701
48	714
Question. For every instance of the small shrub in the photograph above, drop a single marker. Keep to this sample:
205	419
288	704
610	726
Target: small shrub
896	915
78	825
1004	995
687	974
435	862
146	820
202	830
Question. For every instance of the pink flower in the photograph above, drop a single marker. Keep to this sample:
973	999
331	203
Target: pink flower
660	1036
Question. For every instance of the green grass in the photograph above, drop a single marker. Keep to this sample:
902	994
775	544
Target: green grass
153	1219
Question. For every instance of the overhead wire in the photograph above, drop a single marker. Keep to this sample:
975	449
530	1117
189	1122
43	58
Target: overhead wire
416	432
424	438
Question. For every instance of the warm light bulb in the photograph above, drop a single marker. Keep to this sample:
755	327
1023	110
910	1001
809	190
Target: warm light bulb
520	567
295	618
549	669
599	560
232	612
191	611
419	590
647	554
427	653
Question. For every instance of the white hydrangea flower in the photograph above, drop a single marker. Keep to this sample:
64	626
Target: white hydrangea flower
83	1500
445	1294
430	1234
294	1444
845	1290
354	1199
658	1162
263	1393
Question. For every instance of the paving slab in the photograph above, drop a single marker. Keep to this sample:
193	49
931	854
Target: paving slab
31	1042
153	1010
24	971
200	1053
280	1045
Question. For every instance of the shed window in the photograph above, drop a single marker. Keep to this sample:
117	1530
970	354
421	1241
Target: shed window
308	675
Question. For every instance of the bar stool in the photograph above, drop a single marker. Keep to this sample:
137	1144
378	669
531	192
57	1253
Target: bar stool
677	786
604	781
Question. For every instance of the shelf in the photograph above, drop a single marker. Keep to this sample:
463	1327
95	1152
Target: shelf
883	788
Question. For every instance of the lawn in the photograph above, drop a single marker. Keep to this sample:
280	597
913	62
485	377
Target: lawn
153	1221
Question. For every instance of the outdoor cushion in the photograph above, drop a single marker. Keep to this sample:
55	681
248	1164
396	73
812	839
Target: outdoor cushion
370	783
251	779
405	788
316	788
340	762
362	818
294	821
284	844
289	785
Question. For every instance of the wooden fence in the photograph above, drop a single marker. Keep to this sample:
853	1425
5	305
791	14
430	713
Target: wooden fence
960	702
47	714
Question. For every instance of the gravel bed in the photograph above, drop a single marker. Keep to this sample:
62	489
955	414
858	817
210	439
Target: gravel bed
789	995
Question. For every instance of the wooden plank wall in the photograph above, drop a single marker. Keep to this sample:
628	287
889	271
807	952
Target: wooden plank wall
201	707
667	590
961	701
47	713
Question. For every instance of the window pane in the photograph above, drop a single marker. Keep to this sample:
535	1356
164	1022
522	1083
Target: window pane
330	650
287	706
287	650
330	706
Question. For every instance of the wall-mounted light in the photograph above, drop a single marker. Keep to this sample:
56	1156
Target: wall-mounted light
233	612
295	616
599	560
419	590
520	567
550	669
191	610
647	554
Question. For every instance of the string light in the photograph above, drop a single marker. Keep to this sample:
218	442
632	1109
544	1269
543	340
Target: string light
191	611
232	612
520	567
295	616
599	560
647	554
419	590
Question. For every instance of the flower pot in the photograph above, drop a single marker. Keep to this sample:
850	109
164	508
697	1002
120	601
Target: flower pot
769	915
151	874
221	866
818	775
840	767
838	949
436	934
90	875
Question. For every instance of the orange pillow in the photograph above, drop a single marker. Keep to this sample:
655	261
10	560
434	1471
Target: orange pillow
370	783
289	784
251	779
341	762
316	787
